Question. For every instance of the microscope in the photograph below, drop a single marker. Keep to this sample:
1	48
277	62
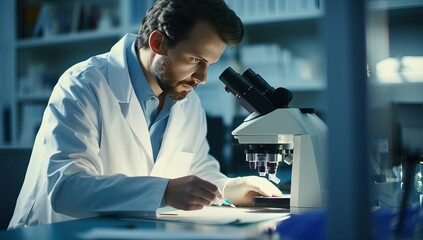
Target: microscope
274	132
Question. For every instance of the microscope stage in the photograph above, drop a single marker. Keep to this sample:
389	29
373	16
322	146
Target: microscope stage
276	202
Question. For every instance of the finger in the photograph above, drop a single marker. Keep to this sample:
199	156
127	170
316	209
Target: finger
219	195
271	189
191	207
208	186
200	201
206	195
194	207
260	191
264	187
277	192
211	192
200	196
217	202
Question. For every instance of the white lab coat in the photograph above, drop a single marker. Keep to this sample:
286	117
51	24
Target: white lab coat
92	154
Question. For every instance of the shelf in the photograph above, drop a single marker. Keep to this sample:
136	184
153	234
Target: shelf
394	82
393	4
304	86
69	38
318	13
287	17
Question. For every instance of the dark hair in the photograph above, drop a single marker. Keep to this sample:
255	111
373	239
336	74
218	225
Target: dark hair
176	18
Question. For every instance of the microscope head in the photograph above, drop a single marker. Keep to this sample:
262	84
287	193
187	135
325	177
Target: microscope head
259	99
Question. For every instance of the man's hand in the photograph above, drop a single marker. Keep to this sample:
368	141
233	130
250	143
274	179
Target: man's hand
241	190
190	193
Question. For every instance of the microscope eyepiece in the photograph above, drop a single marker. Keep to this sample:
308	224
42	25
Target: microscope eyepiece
234	82
258	82
253	92
280	97
248	95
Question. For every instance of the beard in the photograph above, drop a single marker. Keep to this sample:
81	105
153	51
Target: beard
169	87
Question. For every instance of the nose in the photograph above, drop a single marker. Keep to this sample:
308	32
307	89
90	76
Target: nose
200	74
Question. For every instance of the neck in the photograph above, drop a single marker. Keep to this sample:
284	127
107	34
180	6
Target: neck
145	58
161	102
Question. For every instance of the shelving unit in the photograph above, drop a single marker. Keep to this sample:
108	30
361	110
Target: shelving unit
33	77
296	31
71	38
396	32
293	29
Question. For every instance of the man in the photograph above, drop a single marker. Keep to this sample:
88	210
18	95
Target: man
123	132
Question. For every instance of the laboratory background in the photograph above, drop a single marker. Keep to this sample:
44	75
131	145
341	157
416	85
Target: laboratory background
284	42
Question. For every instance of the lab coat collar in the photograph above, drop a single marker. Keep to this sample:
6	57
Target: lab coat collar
119	80
120	83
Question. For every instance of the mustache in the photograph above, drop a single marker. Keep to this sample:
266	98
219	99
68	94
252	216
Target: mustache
193	84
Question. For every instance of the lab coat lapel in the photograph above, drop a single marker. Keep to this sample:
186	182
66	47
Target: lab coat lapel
136	120
170	141
121	86
174	126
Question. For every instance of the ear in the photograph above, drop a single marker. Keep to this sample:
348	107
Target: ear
156	42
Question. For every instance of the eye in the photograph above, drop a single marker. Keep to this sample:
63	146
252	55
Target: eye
194	59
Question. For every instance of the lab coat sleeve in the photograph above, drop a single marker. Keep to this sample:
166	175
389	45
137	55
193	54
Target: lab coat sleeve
70	142
205	165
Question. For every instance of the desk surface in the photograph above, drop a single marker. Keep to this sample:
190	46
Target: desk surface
73	229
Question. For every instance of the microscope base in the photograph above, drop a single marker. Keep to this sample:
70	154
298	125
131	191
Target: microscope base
302	210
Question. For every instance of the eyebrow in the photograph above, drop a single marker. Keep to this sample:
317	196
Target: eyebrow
201	58
197	54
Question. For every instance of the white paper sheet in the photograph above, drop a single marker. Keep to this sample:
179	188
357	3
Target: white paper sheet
224	215
213	215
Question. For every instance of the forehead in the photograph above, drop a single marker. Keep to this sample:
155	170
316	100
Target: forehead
203	41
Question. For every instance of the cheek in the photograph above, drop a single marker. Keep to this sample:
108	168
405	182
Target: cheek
181	71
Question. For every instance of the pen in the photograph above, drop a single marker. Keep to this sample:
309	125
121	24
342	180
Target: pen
227	202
